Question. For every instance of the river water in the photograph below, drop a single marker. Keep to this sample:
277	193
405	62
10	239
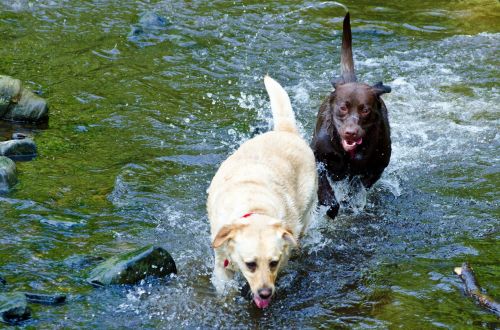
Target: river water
139	124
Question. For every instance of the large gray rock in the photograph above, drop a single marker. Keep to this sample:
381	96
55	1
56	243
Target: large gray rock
8	176
19	104
13	308
18	148
132	267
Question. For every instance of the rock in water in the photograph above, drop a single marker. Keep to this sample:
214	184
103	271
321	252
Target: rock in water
45	299
132	267
2	280
13	308
30	107
19	104
7	177
18	148
10	89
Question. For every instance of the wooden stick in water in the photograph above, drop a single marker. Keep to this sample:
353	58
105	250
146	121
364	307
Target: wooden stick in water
473	289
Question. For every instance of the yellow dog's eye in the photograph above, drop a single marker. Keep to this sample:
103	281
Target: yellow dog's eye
273	264
251	265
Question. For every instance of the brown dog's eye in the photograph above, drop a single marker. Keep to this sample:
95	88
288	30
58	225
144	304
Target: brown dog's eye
365	111
252	266
273	264
343	109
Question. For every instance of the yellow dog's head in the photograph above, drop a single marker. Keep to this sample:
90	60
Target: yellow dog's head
259	246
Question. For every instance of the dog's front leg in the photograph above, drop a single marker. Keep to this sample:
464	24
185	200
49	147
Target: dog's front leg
221	275
370	178
326	196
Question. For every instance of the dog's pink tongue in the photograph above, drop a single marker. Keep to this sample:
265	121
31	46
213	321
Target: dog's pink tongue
261	303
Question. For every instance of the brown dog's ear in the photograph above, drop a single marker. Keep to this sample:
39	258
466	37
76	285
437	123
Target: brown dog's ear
337	81
225	233
379	88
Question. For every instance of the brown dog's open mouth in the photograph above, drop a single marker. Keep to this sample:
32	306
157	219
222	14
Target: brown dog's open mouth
351	145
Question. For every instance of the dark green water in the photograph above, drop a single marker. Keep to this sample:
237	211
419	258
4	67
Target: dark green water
139	125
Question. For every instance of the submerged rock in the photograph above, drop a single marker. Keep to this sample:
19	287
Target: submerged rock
8	177
19	104
150	23
45	299
16	148
132	267
2	280
152	20
14	308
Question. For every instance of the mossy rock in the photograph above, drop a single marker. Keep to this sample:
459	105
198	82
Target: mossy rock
132	267
13	148
8	176
14	308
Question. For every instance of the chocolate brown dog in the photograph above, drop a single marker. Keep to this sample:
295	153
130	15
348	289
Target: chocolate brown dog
352	135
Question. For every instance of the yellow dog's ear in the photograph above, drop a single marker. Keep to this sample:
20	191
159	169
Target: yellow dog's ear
225	233
286	233
288	236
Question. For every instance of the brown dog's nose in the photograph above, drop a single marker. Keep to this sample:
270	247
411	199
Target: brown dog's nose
350	132
265	293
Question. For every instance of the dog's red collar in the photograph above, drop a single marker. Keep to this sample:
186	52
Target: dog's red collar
246	215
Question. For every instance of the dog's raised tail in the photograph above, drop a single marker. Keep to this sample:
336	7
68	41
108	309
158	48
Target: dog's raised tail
283	116
346	59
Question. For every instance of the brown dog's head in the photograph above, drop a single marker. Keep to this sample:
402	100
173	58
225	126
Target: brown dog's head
355	107
259	246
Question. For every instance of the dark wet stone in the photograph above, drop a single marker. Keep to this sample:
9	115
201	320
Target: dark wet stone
45	299
132	267
12	148
81	261
2	280
150	19
19	104
13	308
8	176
